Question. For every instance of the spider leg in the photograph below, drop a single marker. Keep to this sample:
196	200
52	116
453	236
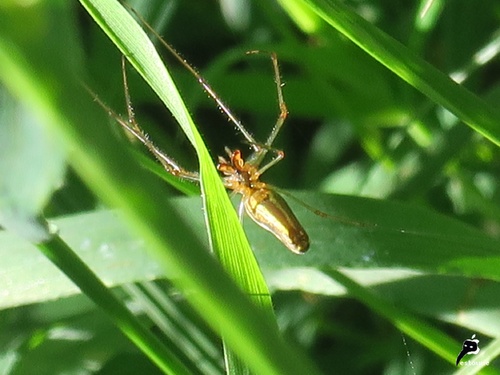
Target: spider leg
281	102
133	128
260	150
276	159
241	211
248	136
259	154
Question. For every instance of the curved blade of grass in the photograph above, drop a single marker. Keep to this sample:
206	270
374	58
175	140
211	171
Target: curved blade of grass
411	68
43	75
30	160
430	337
405	237
227	238
379	233
62	256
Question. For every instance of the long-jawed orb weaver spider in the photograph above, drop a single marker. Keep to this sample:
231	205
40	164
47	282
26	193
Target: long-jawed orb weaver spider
264	205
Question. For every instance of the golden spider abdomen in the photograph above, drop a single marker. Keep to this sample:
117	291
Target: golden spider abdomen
269	210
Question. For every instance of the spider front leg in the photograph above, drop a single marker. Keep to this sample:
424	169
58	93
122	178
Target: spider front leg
133	128
261	150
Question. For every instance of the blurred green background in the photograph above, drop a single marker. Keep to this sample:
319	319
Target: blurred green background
354	129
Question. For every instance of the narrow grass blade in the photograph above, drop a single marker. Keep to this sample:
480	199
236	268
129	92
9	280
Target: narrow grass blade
61	255
226	235
430	337
418	73
228	239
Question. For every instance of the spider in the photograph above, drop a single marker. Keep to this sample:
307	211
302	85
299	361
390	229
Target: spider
263	204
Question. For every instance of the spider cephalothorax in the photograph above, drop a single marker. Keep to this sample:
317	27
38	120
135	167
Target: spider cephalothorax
239	175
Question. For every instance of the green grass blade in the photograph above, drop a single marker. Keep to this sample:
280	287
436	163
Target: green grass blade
405	237
228	238
409	324
426	335
63	256
418	73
